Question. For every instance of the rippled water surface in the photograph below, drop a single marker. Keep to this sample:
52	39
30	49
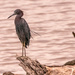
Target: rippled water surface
53	20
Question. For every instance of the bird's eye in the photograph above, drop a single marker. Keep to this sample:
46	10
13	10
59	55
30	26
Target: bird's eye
18	12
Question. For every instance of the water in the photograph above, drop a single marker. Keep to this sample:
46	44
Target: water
54	20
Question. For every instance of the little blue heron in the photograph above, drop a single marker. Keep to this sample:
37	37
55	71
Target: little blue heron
22	29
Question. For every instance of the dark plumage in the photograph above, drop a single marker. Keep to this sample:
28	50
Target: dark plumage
73	34
22	29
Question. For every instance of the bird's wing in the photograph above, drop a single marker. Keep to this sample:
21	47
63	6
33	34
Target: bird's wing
26	29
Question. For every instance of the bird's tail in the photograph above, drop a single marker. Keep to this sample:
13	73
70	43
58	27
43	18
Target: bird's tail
35	32
26	43
73	34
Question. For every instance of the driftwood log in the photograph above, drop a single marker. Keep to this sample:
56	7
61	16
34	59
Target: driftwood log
33	67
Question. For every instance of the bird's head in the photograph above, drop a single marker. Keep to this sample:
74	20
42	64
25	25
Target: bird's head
17	12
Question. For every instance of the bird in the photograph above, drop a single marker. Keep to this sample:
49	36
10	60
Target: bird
22	29
73	34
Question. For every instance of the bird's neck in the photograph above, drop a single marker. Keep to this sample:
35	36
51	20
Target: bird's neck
20	15
17	19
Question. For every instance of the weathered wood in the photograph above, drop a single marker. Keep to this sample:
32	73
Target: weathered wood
32	67
70	62
8	73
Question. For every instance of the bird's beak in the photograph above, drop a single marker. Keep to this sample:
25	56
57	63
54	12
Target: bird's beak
11	15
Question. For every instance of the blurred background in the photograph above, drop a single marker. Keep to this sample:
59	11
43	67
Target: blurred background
53	20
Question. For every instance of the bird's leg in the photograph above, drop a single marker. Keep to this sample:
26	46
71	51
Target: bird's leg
25	51
22	50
